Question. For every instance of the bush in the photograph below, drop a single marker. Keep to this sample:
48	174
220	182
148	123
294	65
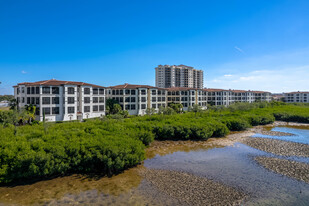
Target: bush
237	124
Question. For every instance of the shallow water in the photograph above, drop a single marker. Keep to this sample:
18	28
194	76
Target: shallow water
231	165
299	135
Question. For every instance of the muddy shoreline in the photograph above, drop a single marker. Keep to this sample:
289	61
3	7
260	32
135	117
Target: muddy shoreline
297	170
165	187
193	190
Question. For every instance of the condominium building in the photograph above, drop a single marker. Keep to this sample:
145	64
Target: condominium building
293	97
62	100
187	97
137	98
227	97
178	76
67	100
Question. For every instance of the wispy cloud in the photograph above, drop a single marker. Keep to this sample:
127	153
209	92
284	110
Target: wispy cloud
282	72
23	72
239	49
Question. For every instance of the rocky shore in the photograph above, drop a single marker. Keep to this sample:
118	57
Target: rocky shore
297	170
192	189
278	147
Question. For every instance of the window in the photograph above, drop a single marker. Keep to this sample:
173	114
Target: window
46	90
121	92
46	110
95	108
132	106
154	106
28	90
153	92
32	100
23	100
28	100
159	92
37	100
71	110
101	99
101	91
132	99
127	107
55	110
143	92
86	108
46	100
37	90
127	91
86	100
132	92
37	111
143	106
55	90
95	99
86	90
127	99
163	99
95	91
32	90
143	99
71	100
55	100
154	99
101	108
71	90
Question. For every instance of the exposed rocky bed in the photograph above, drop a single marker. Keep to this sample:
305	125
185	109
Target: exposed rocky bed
278	147
193	190
289	168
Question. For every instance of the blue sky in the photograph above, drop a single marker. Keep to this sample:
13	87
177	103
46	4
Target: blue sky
260	45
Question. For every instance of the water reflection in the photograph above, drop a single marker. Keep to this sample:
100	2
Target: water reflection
299	135
233	165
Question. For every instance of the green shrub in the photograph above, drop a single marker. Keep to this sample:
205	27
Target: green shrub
237	124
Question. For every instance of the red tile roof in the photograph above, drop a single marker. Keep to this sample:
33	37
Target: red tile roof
133	86
299	92
54	82
181	89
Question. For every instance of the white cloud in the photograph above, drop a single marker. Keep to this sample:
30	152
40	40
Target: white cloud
290	79
23	72
239	49
281	72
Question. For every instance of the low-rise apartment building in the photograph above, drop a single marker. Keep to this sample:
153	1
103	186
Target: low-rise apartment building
67	100
62	100
187	97
137	98
294	97
223	97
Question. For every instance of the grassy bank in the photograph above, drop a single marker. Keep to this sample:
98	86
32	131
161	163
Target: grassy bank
109	146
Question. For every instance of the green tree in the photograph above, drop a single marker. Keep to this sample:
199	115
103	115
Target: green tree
176	107
150	111
195	108
112	106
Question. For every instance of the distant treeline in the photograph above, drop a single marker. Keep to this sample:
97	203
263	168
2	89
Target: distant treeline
6	97
112	144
